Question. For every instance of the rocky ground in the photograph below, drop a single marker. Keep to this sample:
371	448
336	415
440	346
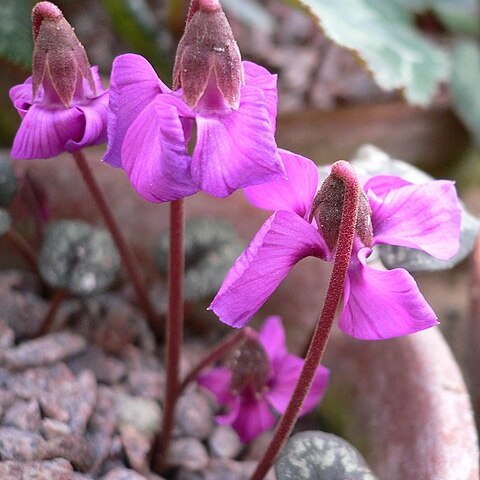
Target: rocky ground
84	401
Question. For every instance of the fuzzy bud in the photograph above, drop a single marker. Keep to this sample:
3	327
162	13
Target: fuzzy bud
208	52
250	367
328	207
58	56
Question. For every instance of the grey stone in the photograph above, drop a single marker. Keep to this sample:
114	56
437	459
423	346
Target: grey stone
316	455
211	247
142	413
48	349
373	161
73	448
188	453
78	257
123	474
193	415
17	444
224	442
24	415
8	181
58	469
5	221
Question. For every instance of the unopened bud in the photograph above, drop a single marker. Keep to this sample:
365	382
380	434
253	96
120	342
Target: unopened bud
328	207
207	53
57	54
250	367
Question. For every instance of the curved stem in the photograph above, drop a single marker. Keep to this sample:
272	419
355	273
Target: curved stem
125	252
47	321
174	334
216	354
16	239
323	327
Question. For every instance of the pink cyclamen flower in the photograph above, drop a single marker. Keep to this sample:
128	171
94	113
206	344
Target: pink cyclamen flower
376	303
229	107
63	105
260	382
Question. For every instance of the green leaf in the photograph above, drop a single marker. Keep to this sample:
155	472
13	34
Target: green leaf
383	35
465	85
16	43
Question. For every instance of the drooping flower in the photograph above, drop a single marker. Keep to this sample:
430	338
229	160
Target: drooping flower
63	104
227	106
259	383
376	303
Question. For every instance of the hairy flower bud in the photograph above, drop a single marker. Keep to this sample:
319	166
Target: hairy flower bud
59	58
208	57
250	368
328	207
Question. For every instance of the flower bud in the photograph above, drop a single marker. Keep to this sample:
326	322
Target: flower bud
59	59
208	57
328	207
250	367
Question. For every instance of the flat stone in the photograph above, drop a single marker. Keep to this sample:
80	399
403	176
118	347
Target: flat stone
147	383
314	455
73	402
17	444
137	447
188	453
224	442
142	413
73	448
54	428
106	368
123	474
24	415
58	469
193	415
48	349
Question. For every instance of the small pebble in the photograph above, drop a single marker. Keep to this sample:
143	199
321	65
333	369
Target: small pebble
24	415
141	413
58	469
73	448
123	474
17	444
45	350
188	453
193	415
137	447
224	442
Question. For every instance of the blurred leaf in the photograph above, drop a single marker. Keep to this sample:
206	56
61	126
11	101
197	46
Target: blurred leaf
250	13
16	43
135	23
383	35
465	85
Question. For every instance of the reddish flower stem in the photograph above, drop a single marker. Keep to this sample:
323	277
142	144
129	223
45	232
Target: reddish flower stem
174	334
324	323
125	252
224	347
16	239
55	303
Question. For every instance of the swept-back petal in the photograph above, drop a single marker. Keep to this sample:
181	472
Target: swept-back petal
237	149
260	77
254	417
283	240
281	385
94	123
380	185
45	132
382	303
134	84
154	152
272	338
426	217
295	193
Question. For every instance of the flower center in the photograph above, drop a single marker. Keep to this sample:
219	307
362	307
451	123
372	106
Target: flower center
250	369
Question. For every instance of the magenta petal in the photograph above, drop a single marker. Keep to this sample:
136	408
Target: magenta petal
94	123
257	76
294	194
134	84
237	149
272	338
381	185
283	240
426	217
45	132
154	152
254	417
281	386
382	303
